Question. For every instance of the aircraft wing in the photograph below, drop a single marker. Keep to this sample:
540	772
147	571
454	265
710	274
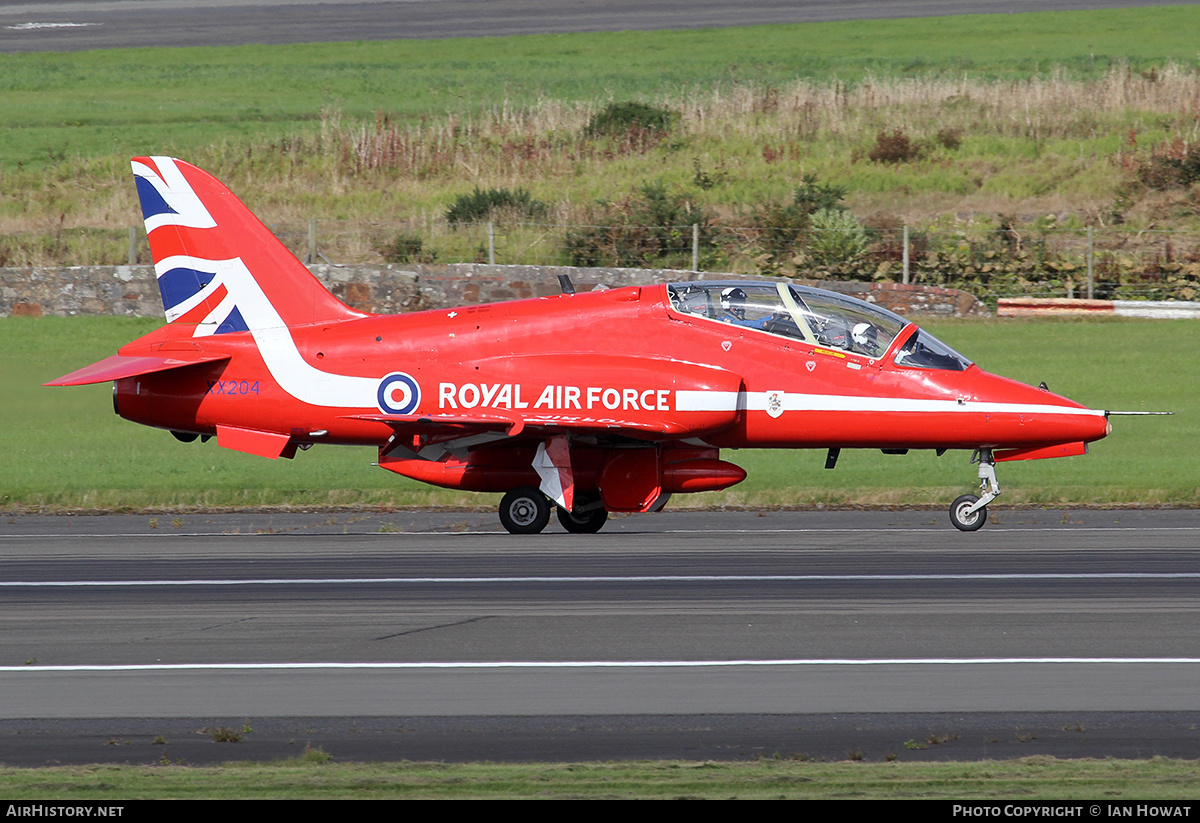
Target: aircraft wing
120	365
483	421
641	428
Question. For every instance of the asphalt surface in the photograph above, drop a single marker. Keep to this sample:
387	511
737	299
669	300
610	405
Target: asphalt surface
693	635
106	24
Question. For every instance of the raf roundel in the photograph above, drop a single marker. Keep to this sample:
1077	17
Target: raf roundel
399	393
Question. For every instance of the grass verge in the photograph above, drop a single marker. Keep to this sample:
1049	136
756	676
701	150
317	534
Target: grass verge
136	100
1030	778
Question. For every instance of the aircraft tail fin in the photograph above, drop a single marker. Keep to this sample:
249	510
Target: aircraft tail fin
219	268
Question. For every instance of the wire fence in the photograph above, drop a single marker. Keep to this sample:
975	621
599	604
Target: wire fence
1044	261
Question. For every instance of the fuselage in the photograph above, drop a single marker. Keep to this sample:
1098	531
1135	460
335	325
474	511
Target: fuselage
632	359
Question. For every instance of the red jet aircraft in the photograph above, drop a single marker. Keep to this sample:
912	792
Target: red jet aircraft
592	403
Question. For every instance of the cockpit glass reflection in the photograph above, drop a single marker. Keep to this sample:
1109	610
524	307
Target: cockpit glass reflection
818	317
924	351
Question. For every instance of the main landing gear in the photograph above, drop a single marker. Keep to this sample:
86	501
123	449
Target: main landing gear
968	513
525	510
588	516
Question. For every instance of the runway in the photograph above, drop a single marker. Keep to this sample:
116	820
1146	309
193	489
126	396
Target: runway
721	630
72	25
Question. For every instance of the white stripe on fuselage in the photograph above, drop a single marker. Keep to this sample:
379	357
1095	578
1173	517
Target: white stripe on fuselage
288	368
797	402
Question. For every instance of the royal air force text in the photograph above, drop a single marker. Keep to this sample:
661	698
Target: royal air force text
554	398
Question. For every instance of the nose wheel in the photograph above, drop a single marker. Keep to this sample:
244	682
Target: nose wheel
968	513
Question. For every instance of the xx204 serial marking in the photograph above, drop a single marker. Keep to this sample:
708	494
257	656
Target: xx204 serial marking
233	388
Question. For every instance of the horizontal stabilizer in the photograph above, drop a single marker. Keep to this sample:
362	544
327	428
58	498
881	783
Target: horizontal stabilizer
120	365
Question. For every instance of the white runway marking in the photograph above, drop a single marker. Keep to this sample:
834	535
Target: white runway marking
611	664
35	26
664	578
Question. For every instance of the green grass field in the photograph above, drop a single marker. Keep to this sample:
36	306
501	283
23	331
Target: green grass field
133	101
65	449
1016	117
1029	779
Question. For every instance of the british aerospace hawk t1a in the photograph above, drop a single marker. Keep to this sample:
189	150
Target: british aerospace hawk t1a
588	403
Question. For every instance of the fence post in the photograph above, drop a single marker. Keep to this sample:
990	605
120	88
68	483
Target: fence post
491	243
905	258
133	245
1091	259
695	247
313	254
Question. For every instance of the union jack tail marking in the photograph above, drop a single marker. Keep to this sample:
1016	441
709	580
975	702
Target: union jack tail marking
219	268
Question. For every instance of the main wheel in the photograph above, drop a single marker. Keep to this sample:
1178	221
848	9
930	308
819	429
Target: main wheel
967	522
524	510
588	522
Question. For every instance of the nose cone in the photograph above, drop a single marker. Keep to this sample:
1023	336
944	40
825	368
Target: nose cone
1019	415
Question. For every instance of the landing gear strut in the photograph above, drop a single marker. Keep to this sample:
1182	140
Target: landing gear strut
968	513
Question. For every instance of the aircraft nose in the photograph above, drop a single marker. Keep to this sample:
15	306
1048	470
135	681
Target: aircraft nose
1036	415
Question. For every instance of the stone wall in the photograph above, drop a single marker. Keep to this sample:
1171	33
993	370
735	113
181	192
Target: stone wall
133	290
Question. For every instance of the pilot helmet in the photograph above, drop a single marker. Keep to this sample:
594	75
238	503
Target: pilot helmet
733	300
866	336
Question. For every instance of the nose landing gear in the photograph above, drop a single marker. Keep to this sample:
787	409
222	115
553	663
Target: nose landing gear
968	513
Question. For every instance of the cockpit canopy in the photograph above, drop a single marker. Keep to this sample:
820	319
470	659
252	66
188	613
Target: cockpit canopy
815	316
